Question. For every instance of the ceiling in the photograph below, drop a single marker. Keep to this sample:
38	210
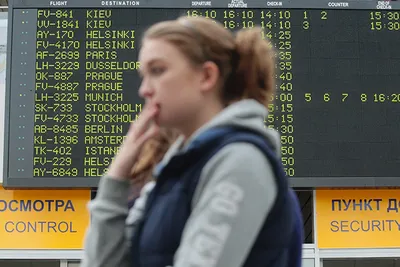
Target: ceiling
3	3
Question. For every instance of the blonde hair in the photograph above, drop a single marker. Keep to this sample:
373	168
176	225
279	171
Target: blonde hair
245	61
152	153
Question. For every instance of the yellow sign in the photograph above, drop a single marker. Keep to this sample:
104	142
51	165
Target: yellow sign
358	218
43	219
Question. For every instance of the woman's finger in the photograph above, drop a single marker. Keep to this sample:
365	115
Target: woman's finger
144	122
139	132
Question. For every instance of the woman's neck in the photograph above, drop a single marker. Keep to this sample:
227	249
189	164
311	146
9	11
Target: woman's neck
204	116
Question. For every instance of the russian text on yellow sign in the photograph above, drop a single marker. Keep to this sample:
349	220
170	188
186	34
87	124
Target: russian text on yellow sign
43	219
358	218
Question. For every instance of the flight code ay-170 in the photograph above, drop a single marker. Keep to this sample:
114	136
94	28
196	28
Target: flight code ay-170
375	205
83	102
37	206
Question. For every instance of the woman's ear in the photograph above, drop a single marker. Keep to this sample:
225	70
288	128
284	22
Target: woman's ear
210	76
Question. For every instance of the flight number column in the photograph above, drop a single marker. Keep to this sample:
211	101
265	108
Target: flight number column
277	27
56	93
109	108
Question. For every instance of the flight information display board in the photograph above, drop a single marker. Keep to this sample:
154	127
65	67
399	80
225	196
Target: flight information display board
72	86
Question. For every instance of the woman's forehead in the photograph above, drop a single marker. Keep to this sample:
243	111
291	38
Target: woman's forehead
156	50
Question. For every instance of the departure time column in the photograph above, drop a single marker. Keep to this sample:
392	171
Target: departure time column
56	93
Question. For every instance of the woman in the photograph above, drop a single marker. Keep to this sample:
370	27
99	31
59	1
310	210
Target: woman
220	196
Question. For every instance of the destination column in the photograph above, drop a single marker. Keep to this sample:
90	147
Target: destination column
110	61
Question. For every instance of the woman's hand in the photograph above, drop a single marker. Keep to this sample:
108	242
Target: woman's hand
139	132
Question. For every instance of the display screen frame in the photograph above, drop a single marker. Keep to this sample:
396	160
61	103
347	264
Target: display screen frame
92	182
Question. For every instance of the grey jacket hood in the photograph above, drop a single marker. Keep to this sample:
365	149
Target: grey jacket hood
248	114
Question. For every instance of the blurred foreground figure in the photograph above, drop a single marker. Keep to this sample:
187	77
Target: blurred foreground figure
220	196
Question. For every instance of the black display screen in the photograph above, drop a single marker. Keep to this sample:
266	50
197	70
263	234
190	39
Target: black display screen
72	86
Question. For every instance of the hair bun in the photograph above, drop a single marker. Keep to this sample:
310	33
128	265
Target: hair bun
255	67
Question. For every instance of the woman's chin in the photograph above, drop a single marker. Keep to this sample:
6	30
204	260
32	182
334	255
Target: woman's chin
162	121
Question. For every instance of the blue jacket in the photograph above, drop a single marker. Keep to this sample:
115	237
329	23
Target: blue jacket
157	238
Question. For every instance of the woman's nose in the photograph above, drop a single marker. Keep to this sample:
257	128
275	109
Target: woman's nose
145	89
